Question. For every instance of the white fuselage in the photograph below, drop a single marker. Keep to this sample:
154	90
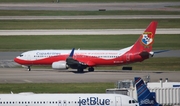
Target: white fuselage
31	99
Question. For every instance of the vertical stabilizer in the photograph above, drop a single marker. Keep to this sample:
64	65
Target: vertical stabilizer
145	97
146	40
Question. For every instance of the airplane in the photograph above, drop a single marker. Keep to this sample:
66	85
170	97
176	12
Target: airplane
145	97
82	59
31	99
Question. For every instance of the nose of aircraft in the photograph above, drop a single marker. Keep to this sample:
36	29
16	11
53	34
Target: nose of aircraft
16	60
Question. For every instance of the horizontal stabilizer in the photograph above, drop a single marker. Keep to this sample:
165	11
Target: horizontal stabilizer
160	51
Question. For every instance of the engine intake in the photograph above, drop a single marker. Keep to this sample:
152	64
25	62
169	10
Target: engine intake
60	65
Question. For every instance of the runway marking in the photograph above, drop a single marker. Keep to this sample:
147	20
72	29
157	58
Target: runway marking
85	31
28	81
90	17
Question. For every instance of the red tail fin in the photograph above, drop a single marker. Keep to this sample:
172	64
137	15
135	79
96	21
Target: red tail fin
146	40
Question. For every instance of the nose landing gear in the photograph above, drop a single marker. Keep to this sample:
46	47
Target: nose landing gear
29	68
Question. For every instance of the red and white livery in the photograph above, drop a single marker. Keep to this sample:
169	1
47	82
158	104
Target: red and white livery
82	59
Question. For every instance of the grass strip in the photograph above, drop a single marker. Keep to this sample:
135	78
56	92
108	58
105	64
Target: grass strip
87	24
23	43
77	13
56	87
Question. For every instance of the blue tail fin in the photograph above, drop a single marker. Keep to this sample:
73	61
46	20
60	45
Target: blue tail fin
145	97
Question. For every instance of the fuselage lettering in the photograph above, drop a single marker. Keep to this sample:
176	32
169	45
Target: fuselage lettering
93	101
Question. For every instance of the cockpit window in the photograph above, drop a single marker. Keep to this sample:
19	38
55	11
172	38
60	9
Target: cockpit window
21	55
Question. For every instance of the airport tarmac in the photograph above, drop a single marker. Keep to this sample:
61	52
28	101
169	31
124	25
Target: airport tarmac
20	75
86	31
163	6
90	17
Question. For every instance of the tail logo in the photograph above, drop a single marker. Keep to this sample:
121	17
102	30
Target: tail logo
147	39
146	102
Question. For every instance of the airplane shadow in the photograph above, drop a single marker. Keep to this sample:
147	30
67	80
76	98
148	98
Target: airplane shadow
115	71
76	72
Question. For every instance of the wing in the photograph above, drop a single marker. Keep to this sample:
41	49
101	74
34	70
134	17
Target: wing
75	64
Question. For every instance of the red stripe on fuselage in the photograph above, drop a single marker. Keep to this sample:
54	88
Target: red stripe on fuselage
92	60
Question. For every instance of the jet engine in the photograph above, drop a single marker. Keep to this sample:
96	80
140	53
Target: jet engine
60	65
151	54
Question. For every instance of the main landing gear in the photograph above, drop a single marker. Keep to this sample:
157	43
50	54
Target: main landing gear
90	69
80	69
126	68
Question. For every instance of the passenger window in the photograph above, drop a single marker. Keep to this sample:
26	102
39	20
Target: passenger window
21	55
129	101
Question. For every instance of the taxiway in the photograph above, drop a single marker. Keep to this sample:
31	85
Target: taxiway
19	75
86	31
163	6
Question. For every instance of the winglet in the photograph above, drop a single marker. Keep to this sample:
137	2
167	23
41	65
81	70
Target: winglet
72	52
145	97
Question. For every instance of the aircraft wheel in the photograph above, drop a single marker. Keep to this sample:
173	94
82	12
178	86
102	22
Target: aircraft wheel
127	68
90	69
29	68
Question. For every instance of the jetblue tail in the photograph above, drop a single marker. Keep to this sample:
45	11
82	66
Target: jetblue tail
145	97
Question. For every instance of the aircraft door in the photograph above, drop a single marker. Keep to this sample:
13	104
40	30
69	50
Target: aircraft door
128	57
118	101
60	103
